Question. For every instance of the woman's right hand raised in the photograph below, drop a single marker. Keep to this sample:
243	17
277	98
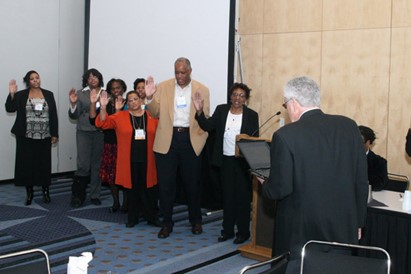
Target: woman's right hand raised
150	87
12	87
198	102
73	96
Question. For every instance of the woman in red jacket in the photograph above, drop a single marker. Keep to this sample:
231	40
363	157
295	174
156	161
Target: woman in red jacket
135	169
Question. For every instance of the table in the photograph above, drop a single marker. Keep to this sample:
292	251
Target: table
389	227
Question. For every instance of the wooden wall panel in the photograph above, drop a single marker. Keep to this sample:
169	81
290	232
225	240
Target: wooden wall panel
285	56
292	16
251	47
352	14
355	77
399	101
401	10
251	16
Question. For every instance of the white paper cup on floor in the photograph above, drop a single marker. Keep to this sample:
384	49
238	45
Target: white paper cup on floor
79	265
406	201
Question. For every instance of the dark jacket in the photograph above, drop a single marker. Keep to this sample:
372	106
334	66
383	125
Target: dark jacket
249	125
18	103
377	171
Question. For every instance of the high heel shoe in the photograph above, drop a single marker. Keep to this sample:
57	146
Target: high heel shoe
29	193
46	195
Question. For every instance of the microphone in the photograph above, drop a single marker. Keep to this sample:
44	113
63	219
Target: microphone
255	131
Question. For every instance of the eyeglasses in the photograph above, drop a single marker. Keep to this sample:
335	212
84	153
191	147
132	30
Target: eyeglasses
286	102
241	95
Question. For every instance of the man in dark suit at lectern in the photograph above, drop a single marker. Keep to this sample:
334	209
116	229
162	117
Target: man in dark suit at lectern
318	175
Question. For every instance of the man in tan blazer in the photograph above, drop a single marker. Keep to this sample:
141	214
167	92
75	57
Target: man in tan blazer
178	142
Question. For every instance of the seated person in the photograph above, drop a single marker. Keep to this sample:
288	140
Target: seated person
377	165
408	143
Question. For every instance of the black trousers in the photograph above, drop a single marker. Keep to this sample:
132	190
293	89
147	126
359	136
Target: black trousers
182	157
140	198
237	192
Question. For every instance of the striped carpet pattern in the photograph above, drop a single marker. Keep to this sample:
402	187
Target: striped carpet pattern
63	231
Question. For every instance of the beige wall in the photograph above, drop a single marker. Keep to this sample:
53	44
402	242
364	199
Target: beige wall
359	51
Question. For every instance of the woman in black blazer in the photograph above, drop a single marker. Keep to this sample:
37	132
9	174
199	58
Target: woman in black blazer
228	121
35	129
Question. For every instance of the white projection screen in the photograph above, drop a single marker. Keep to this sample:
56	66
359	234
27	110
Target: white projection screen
131	39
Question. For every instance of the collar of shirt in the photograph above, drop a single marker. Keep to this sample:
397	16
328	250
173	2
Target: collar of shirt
180	88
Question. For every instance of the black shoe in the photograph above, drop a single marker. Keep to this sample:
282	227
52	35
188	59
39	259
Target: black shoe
165	232
196	229
155	222
29	195
76	202
46	195
95	201
240	239
224	238
123	209
114	208
29	198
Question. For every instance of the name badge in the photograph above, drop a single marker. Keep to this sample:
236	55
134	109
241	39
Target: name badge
139	134
181	102
38	107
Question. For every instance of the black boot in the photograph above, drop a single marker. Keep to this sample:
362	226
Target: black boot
124	206
78	191
29	197
116	203
46	195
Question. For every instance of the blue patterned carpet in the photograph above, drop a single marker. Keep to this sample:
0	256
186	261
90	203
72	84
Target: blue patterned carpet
62	232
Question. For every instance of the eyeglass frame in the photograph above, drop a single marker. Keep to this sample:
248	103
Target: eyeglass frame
241	95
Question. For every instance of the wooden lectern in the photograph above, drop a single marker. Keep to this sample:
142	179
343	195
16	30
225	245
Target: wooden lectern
262	216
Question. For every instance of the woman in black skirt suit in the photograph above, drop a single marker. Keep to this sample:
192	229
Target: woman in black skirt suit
35	129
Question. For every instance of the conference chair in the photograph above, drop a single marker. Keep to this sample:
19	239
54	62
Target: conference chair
319	257
397	182
276	265
27	261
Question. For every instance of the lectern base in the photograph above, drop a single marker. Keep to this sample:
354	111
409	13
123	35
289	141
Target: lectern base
258	253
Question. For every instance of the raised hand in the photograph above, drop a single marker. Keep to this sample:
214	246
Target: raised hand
119	104
93	96
103	99
12	87
150	87
198	102
73	96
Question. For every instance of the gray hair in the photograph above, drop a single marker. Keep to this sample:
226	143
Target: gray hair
304	90
184	60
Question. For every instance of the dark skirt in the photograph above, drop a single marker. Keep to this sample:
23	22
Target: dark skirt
33	162
108	164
